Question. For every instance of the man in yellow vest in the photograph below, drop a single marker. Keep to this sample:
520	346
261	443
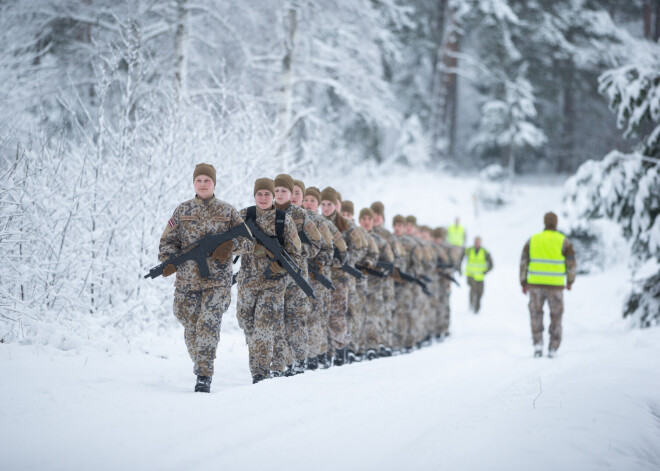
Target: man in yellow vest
479	262
547	258
456	238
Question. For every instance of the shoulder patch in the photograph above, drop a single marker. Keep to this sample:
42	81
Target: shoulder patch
220	218
188	218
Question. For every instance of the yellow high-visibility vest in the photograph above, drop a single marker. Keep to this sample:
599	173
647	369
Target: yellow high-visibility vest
476	264
456	235
547	265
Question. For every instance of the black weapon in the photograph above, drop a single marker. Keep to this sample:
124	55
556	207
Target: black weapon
200	250
444	266
282	257
352	271
303	238
320	277
413	279
425	279
387	267
371	271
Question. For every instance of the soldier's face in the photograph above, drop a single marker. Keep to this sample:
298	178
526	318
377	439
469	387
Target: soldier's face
282	195
347	215
411	229
328	208
399	228
367	222
378	220
310	203
204	186
264	199
297	196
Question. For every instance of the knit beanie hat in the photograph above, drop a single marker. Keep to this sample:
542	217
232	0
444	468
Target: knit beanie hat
398	219
204	169
366	212
378	208
347	206
411	220
284	181
314	192
300	185
439	233
329	194
550	221
339	196
264	184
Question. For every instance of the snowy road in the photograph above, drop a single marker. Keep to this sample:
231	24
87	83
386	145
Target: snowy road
477	401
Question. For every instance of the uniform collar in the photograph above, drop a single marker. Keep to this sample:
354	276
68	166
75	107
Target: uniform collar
261	212
202	202
284	206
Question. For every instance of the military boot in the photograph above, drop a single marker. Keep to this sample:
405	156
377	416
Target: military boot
384	351
371	354
258	377
312	363
298	367
340	356
353	357
203	384
538	351
324	360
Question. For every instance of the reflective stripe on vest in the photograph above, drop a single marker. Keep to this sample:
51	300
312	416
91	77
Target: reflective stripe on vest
456	235
547	265
476	265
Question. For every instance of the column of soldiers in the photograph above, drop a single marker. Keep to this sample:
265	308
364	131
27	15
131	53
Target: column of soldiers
315	289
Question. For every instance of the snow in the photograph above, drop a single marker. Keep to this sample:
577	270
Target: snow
477	401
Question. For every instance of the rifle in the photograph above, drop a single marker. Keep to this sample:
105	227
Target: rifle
352	271
282	257
413	279
200	250
320	277
387	267
371	271
443	266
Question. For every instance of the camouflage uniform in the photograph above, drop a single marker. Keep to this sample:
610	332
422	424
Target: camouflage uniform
442	324
430	303
260	307
296	303
376	338
406	309
358	299
538	294
389	298
200	302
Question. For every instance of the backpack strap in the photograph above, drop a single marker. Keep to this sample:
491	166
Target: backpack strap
279	225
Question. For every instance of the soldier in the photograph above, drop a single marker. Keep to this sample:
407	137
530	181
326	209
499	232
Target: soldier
389	299
260	306
430	271
376	337
296	303
444	257
547	258
421	301
337	322
479	262
200	302
317	320
357	297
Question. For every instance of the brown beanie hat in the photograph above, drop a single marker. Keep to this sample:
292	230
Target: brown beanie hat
366	212
550	221
436	233
425	229
339	196
300	185
204	169
313	191
378	208
411	220
398	219
284	181
264	184
347	206
329	194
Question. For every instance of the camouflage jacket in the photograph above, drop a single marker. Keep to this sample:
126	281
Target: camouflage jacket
304	225
253	266
414	255
356	246
191	221
567	251
372	253
324	257
397	249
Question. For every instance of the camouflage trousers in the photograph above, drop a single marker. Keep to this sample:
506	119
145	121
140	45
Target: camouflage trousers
200	313
402	316
537	297
444	312
476	292
375	326
357	313
389	304
418	315
260	312
293	334
337	310
317	321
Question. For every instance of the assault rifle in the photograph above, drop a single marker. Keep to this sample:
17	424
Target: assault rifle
346	267
200	250
443	266
281	256
320	277
386	266
413	279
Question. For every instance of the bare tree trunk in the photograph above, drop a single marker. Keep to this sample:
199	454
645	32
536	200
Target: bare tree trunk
438	103
647	19
450	83
286	88
568	112
656	33
180	42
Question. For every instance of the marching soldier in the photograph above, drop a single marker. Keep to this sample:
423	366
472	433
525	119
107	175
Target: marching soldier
200	302
444	257
260	308
547	262
479	262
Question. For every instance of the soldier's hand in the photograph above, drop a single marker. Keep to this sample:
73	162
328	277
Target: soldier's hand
397	276
524	289
223	251
568	286
276	268
168	270
261	251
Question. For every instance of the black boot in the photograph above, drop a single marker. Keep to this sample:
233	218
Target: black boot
340	356
298	367
384	351
258	377
324	360
203	384
353	357
312	363
371	354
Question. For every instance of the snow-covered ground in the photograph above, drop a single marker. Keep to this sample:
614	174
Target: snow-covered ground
477	401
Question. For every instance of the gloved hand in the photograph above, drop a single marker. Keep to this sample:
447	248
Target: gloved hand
223	251
276	268
397	276
260	252
168	270
524	288
569	286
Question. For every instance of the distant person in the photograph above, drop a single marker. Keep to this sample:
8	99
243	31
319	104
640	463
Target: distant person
200	302
479	262
456	237
547	262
